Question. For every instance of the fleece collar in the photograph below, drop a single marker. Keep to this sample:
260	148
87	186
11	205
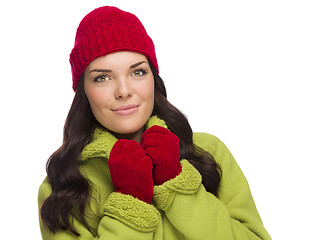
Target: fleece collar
102	141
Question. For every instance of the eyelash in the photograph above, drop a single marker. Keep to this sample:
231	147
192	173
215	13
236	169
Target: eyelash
143	71
96	79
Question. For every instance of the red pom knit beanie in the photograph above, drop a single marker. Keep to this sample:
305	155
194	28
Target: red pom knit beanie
106	30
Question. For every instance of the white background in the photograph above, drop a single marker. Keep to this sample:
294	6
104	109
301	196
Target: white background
237	69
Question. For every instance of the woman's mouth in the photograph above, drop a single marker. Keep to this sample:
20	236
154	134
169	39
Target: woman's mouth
126	110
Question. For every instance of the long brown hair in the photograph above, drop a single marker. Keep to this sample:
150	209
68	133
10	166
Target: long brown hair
71	190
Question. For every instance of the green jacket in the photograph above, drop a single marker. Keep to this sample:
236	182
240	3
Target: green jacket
181	207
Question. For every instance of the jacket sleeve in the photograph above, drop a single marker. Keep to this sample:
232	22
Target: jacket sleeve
198	214
124	217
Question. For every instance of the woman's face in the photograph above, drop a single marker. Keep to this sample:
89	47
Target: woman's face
120	90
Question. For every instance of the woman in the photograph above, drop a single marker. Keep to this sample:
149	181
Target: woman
130	166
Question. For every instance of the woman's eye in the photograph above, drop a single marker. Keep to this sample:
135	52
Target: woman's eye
139	72
102	78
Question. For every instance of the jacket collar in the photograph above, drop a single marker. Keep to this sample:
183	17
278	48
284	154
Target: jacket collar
102	141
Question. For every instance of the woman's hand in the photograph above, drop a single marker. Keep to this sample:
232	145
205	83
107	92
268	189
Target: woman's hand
131	170
163	147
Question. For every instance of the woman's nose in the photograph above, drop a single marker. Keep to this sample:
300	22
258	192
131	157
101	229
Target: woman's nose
123	89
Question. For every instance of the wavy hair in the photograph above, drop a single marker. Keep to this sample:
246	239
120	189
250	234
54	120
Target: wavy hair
71	191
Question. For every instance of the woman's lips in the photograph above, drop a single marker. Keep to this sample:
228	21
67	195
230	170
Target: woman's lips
126	110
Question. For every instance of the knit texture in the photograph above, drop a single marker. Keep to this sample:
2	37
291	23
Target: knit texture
163	147
187	182
131	170
107	30
131	211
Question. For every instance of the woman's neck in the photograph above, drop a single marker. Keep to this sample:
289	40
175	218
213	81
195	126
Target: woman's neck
131	136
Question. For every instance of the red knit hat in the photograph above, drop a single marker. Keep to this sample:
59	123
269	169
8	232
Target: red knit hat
106	30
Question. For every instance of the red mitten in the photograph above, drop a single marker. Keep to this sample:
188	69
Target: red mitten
131	170
163	147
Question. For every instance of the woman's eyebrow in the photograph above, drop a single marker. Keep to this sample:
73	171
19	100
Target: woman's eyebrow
100	70
137	64
108	70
